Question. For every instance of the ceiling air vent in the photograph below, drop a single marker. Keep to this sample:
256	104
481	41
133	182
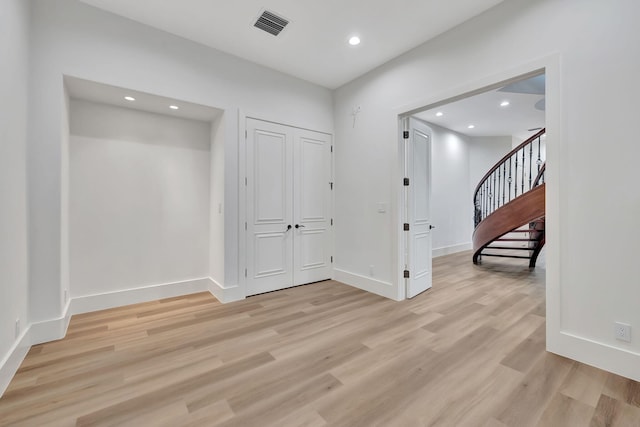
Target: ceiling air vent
271	23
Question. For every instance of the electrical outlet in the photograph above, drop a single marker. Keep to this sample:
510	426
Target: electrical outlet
622	331
17	328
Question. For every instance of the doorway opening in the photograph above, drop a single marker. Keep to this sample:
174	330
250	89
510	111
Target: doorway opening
486	150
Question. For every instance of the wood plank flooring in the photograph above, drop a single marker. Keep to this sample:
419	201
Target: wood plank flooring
469	352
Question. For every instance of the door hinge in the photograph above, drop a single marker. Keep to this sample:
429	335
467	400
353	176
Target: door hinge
405	182
331	221
406	227
245	272
331	259
406	274
331	185
245	226
245	181
245	134
332	148
405	134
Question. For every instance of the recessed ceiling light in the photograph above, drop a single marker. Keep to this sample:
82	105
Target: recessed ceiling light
173	107
439	114
504	103
129	98
471	126
354	41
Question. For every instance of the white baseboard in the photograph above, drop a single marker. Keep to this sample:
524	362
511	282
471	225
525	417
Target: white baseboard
604	356
368	284
55	329
453	249
11	362
225	295
50	330
89	303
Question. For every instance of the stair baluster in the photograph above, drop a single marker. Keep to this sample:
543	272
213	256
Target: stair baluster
522	174
530	163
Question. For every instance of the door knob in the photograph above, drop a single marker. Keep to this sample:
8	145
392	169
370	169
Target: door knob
431	227
299	226
288	228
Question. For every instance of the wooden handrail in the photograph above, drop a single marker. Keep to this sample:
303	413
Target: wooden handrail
506	157
510	177
506	219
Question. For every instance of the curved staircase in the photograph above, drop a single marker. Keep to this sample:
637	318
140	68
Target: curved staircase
509	205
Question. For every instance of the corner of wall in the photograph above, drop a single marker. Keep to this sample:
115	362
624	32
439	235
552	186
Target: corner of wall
225	294
35	333
50	330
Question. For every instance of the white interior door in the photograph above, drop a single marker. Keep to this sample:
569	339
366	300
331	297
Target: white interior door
418	164
312	207
288	206
269	207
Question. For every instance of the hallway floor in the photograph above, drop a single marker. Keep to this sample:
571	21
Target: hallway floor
469	352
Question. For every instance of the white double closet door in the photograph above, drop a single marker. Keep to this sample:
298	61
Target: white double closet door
288	225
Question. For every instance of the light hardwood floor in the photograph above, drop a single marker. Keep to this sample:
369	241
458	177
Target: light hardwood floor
469	352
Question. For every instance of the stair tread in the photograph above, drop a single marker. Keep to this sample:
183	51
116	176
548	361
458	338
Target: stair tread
515	240
506	256
509	248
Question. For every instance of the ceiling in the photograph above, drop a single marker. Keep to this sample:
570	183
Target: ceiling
314	45
112	95
489	118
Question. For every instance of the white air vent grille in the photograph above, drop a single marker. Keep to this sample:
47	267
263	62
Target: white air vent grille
271	23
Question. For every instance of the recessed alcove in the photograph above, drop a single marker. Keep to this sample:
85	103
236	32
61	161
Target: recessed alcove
143	198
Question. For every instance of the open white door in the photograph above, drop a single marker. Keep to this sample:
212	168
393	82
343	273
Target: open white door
418	165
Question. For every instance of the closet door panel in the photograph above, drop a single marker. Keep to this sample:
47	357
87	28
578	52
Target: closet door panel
269	207
312	207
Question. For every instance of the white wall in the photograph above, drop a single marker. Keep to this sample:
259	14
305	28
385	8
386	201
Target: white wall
451	207
139	199
589	50
14	72
216	225
484	153
517	140
64	200
77	40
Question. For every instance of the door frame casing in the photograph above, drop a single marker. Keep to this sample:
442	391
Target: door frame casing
243	116
551	67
